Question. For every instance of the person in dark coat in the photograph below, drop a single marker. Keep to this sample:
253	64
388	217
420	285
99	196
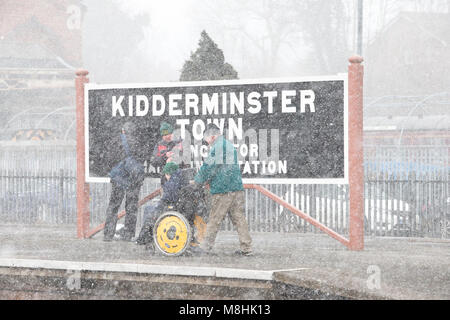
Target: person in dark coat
126	180
174	182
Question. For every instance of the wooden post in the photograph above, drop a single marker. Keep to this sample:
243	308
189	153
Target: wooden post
356	169
83	215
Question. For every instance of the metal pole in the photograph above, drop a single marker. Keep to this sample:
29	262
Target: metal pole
355	150
360	28
83	215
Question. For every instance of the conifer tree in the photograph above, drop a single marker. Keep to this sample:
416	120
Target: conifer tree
207	63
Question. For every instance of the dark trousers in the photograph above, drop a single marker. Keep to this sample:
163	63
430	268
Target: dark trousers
131	200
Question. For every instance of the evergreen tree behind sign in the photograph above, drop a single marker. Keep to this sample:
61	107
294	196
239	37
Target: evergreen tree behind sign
207	63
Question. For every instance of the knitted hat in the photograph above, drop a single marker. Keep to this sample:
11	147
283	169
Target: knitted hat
170	168
165	128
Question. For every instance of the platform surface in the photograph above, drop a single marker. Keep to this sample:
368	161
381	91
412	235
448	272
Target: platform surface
388	268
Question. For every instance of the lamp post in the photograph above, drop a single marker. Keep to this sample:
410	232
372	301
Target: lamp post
360	28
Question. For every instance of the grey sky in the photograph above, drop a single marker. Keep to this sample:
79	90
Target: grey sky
174	29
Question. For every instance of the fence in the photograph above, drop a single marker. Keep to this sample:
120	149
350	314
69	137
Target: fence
30	197
415	208
407	191
406	194
392	207
38	157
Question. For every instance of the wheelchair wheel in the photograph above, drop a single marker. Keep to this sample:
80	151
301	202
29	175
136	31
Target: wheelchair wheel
172	233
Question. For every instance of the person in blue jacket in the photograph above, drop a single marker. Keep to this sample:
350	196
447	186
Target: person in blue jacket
171	191
127	178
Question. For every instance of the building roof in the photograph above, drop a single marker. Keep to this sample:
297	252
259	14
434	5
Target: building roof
43	22
436	25
28	55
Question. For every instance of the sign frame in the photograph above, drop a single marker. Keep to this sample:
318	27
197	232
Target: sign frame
339	77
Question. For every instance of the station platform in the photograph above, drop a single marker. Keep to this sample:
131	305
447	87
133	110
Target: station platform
49	262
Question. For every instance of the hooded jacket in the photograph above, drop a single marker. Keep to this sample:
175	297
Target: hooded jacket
172	187
221	168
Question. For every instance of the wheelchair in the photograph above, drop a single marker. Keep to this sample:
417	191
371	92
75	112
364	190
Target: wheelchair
184	225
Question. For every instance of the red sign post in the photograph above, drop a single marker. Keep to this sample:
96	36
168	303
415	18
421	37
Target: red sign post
356	172
83	215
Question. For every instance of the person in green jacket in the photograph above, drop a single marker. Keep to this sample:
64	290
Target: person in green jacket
221	170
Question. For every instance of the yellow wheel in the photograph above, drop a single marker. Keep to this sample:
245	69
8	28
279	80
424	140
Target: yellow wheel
172	233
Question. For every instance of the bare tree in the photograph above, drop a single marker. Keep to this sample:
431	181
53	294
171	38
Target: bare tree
271	37
111	45
327	30
259	29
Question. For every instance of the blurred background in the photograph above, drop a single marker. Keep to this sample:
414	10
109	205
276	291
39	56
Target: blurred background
405	45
